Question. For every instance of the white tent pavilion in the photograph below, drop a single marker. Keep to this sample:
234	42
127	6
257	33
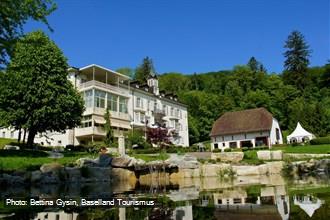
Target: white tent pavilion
299	135
308	203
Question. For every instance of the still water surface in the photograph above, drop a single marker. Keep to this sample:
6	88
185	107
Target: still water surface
210	198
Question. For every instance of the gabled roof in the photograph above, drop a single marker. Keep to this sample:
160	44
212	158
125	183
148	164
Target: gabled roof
300	132
251	120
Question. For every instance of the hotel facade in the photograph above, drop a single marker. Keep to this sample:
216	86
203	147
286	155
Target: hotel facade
132	106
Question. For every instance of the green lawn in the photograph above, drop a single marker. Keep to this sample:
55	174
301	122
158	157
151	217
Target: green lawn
5	141
309	149
32	160
151	157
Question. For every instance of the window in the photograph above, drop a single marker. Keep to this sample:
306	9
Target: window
172	111
88	98
277	134
123	105
3	134
138	102
112	101
215	146
142	117
155	105
59	142
232	137
165	109
11	134
223	138
99	100
177	113
245	136
136	117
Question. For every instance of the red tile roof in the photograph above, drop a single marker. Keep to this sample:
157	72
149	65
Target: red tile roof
251	120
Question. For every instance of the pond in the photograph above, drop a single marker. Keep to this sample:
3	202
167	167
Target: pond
259	197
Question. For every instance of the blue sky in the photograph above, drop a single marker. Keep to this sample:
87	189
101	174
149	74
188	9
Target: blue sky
186	36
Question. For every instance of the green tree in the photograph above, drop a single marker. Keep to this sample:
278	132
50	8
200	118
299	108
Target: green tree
144	70
297	61
253	64
36	93
13	15
108	129
126	71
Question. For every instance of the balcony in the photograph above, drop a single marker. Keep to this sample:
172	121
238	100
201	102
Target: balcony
111	88
80	132
101	111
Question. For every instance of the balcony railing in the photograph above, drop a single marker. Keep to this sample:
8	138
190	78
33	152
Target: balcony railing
104	86
101	111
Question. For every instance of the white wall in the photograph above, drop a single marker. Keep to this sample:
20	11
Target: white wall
273	139
236	138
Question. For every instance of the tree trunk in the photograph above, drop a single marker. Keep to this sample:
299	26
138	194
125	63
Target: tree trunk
24	135
32	134
19	135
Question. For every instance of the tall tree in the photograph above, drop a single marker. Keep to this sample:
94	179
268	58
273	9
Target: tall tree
253	64
36	93
144	70
108	129
126	71
13	15
297	61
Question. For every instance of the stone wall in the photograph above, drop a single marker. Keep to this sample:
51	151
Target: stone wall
270	155
234	157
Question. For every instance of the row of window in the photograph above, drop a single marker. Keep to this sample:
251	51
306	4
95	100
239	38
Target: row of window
166	109
222	138
103	99
11	134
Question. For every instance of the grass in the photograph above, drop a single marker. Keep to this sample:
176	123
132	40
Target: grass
306	149
150	157
251	158
32	160
5	141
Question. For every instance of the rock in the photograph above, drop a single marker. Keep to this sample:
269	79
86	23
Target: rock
87	162
124	162
277	155
275	167
246	170
213	169
12	179
73	174
11	147
98	174
36	176
182	161
264	155
234	157
50	167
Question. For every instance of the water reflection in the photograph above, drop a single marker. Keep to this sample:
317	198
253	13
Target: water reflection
188	199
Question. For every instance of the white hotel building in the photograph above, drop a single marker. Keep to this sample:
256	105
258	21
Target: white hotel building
132	106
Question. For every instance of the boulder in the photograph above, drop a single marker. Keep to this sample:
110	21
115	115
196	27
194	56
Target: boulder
98	174
234	157
126	162
246	170
275	167
277	155
213	169
36	176
50	167
182	161
72	174
264	155
87	162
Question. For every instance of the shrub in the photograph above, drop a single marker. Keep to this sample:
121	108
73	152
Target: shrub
320	140
228	150
245	148
217	150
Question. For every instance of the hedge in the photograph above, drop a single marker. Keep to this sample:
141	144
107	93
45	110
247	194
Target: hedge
320	140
